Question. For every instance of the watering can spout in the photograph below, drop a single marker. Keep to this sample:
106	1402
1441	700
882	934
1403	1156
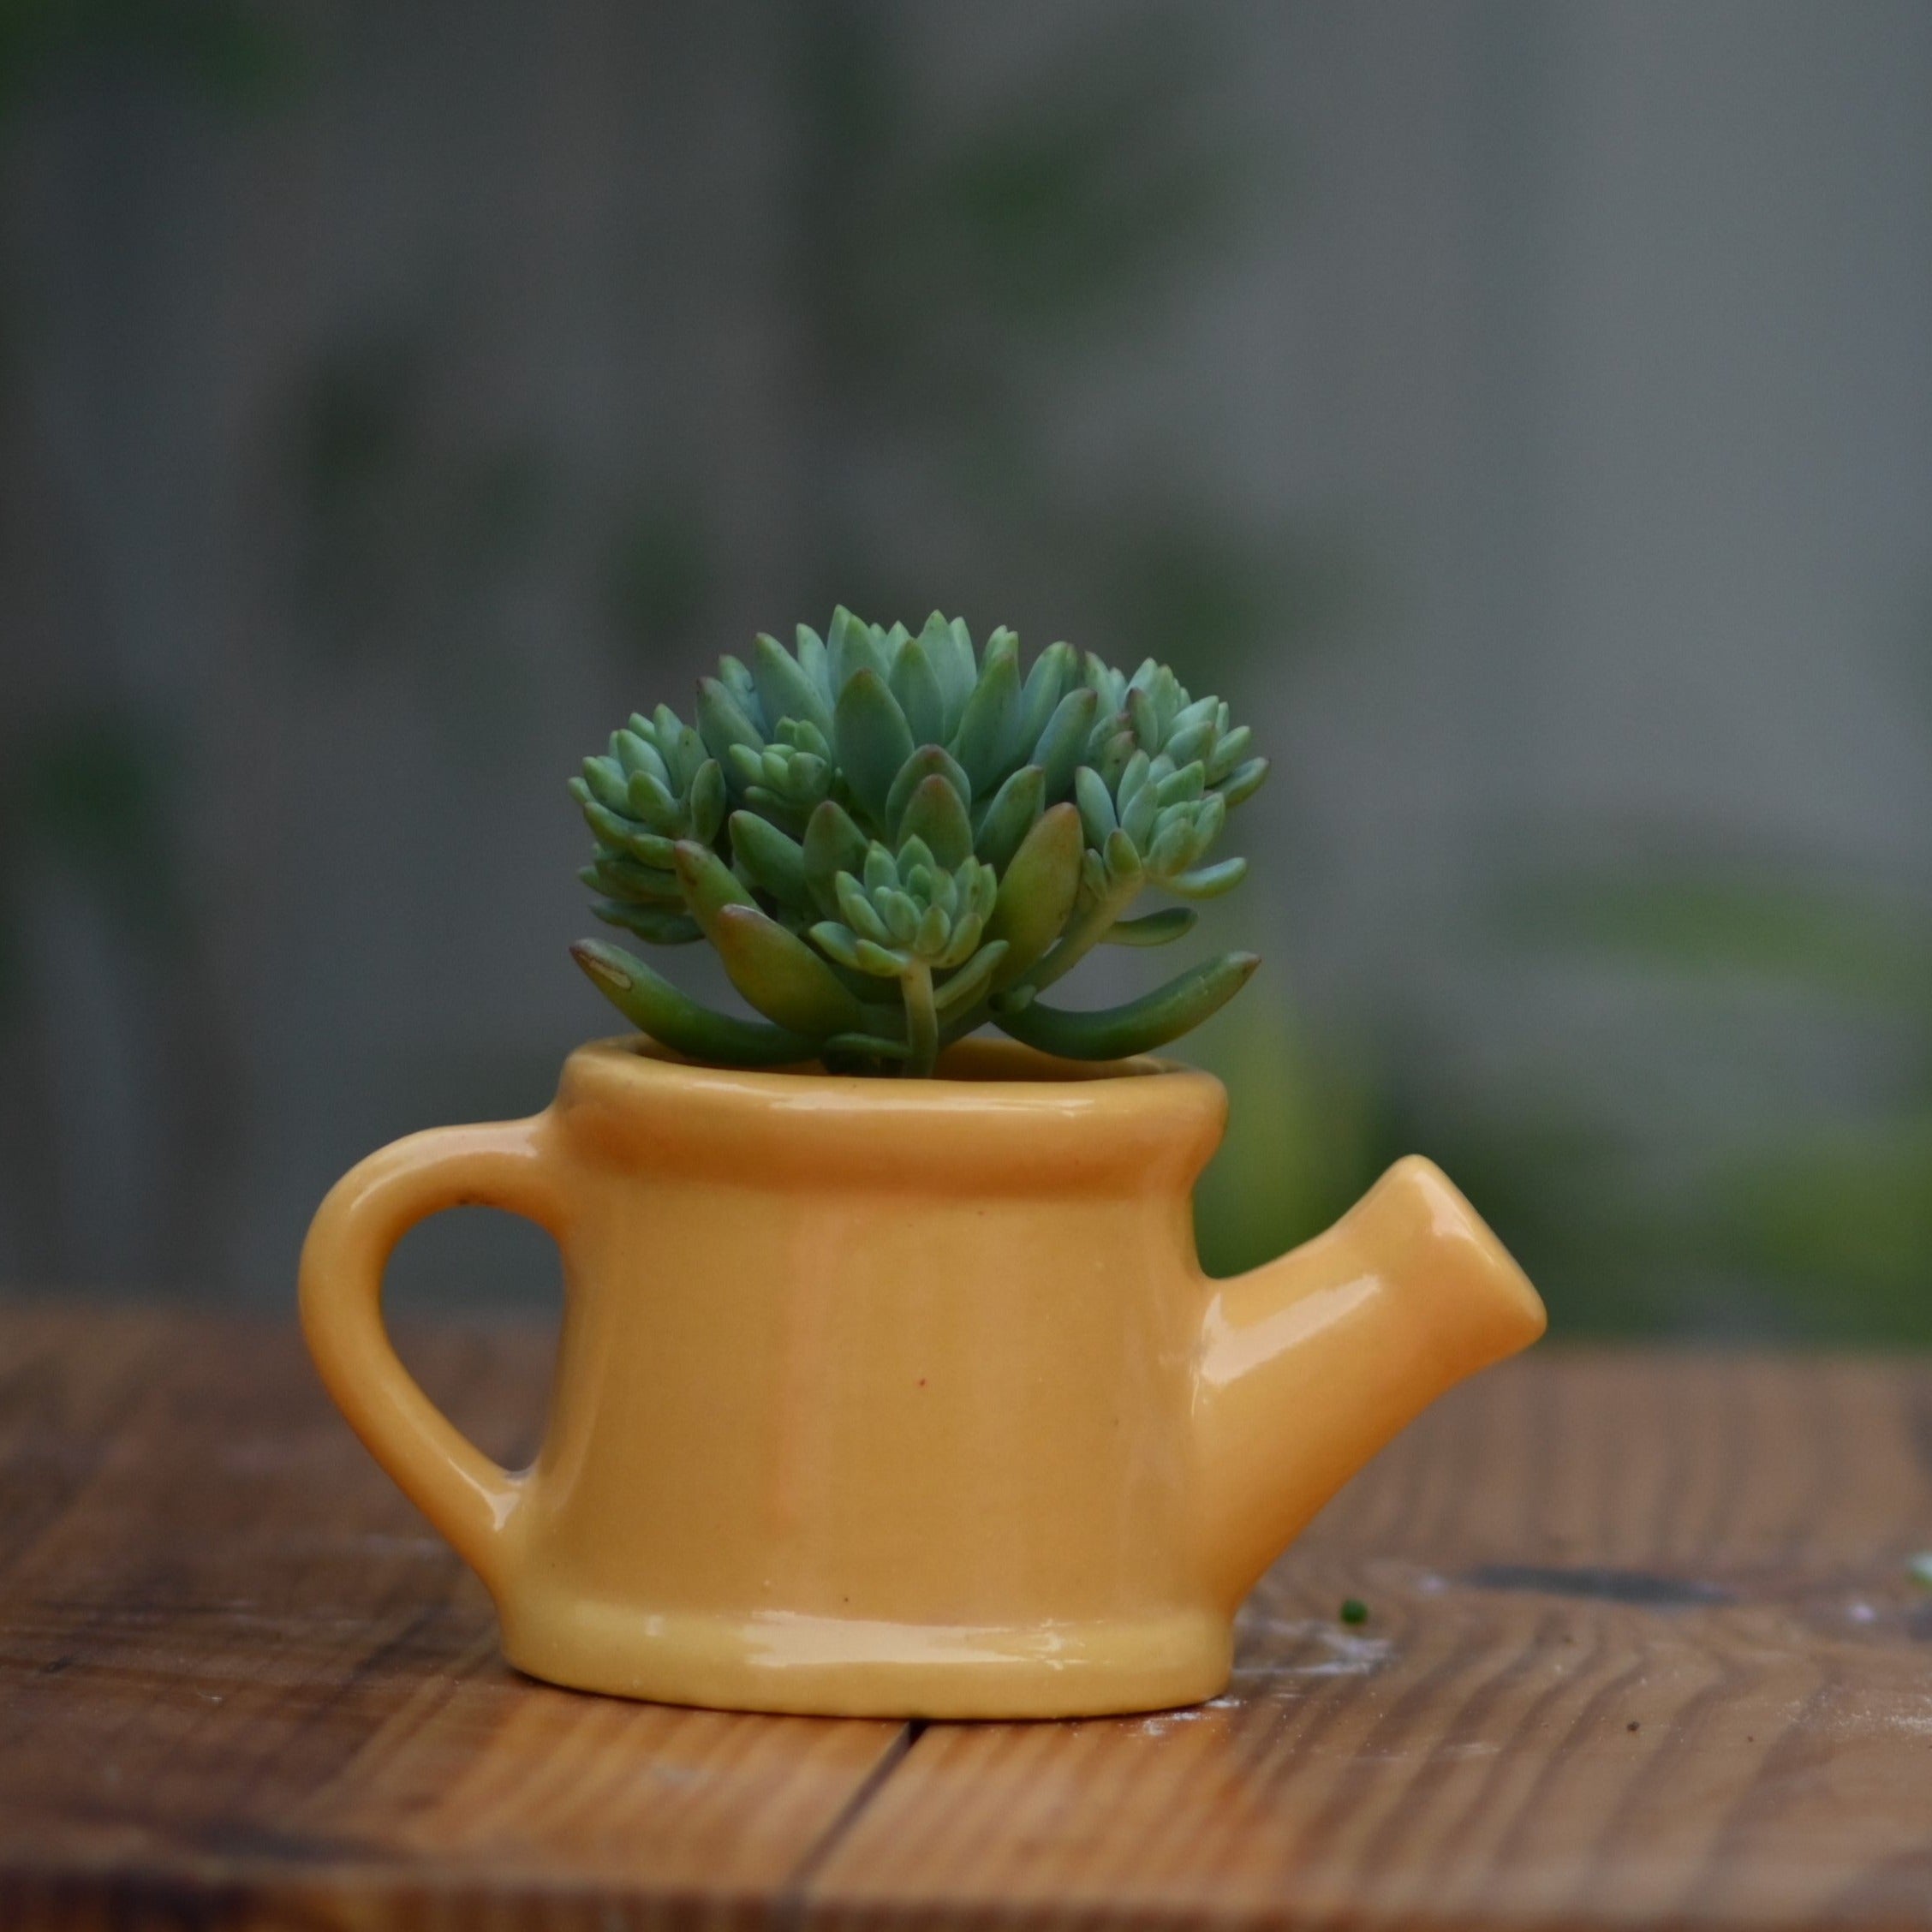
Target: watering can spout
1310	1365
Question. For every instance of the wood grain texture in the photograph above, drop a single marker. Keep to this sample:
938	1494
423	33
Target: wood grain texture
1642	1649
241	1683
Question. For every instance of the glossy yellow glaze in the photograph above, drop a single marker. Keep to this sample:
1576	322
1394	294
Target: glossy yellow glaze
901	1399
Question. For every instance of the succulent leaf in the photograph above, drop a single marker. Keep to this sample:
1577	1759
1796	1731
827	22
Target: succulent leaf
972	980
916	684
809	648
989	726
779	974
785	688
625	879
936	814
723	723
949	649
1245	782
1046	683
1012	814
709	885
1057	749
774	863
1210	881
1140	1025
1095	797
1036	892
653	1005
651	803
873	739
831	845
634	750
1157	928
923	764
660	925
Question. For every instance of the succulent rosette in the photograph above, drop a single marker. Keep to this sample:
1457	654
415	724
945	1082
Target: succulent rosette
891	840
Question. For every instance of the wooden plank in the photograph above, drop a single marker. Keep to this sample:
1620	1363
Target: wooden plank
1642	1649
240	1680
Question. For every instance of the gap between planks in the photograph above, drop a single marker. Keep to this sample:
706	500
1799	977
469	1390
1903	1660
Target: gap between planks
794	1896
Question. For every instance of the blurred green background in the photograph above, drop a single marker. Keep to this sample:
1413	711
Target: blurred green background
1520	409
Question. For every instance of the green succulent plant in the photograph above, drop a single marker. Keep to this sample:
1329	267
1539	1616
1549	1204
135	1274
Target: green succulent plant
891	840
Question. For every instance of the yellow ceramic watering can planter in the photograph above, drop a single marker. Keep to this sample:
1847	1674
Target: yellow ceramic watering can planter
889	1382
902	1399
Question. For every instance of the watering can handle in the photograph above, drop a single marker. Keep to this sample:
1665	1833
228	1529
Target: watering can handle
511	1165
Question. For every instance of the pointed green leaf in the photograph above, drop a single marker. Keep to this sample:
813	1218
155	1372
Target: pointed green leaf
850	647
784	689
930	935
781	812
916	684
949	650
809	648
873	741
1113	757
923	763
1203	711
1057	751
858	910
1045	684
1138	1027
1190	743
606	780
1209	816
1036	892
1230	749
1136	820
681	748
709	884
722	722
837	942
626	836
636	754
987	737
961	943
900	914
707	801
770	860
972	979
648	801
1190	782
1172	847
832	845
660	925
1096	805
1210	881
1015	809
1157	928
780	974
653	1005
1123	859
885	960
935	815
1245	783
625	879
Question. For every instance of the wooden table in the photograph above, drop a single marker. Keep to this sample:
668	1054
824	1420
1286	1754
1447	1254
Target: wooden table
1643	1647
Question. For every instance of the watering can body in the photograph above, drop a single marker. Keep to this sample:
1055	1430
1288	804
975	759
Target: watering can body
902	1399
